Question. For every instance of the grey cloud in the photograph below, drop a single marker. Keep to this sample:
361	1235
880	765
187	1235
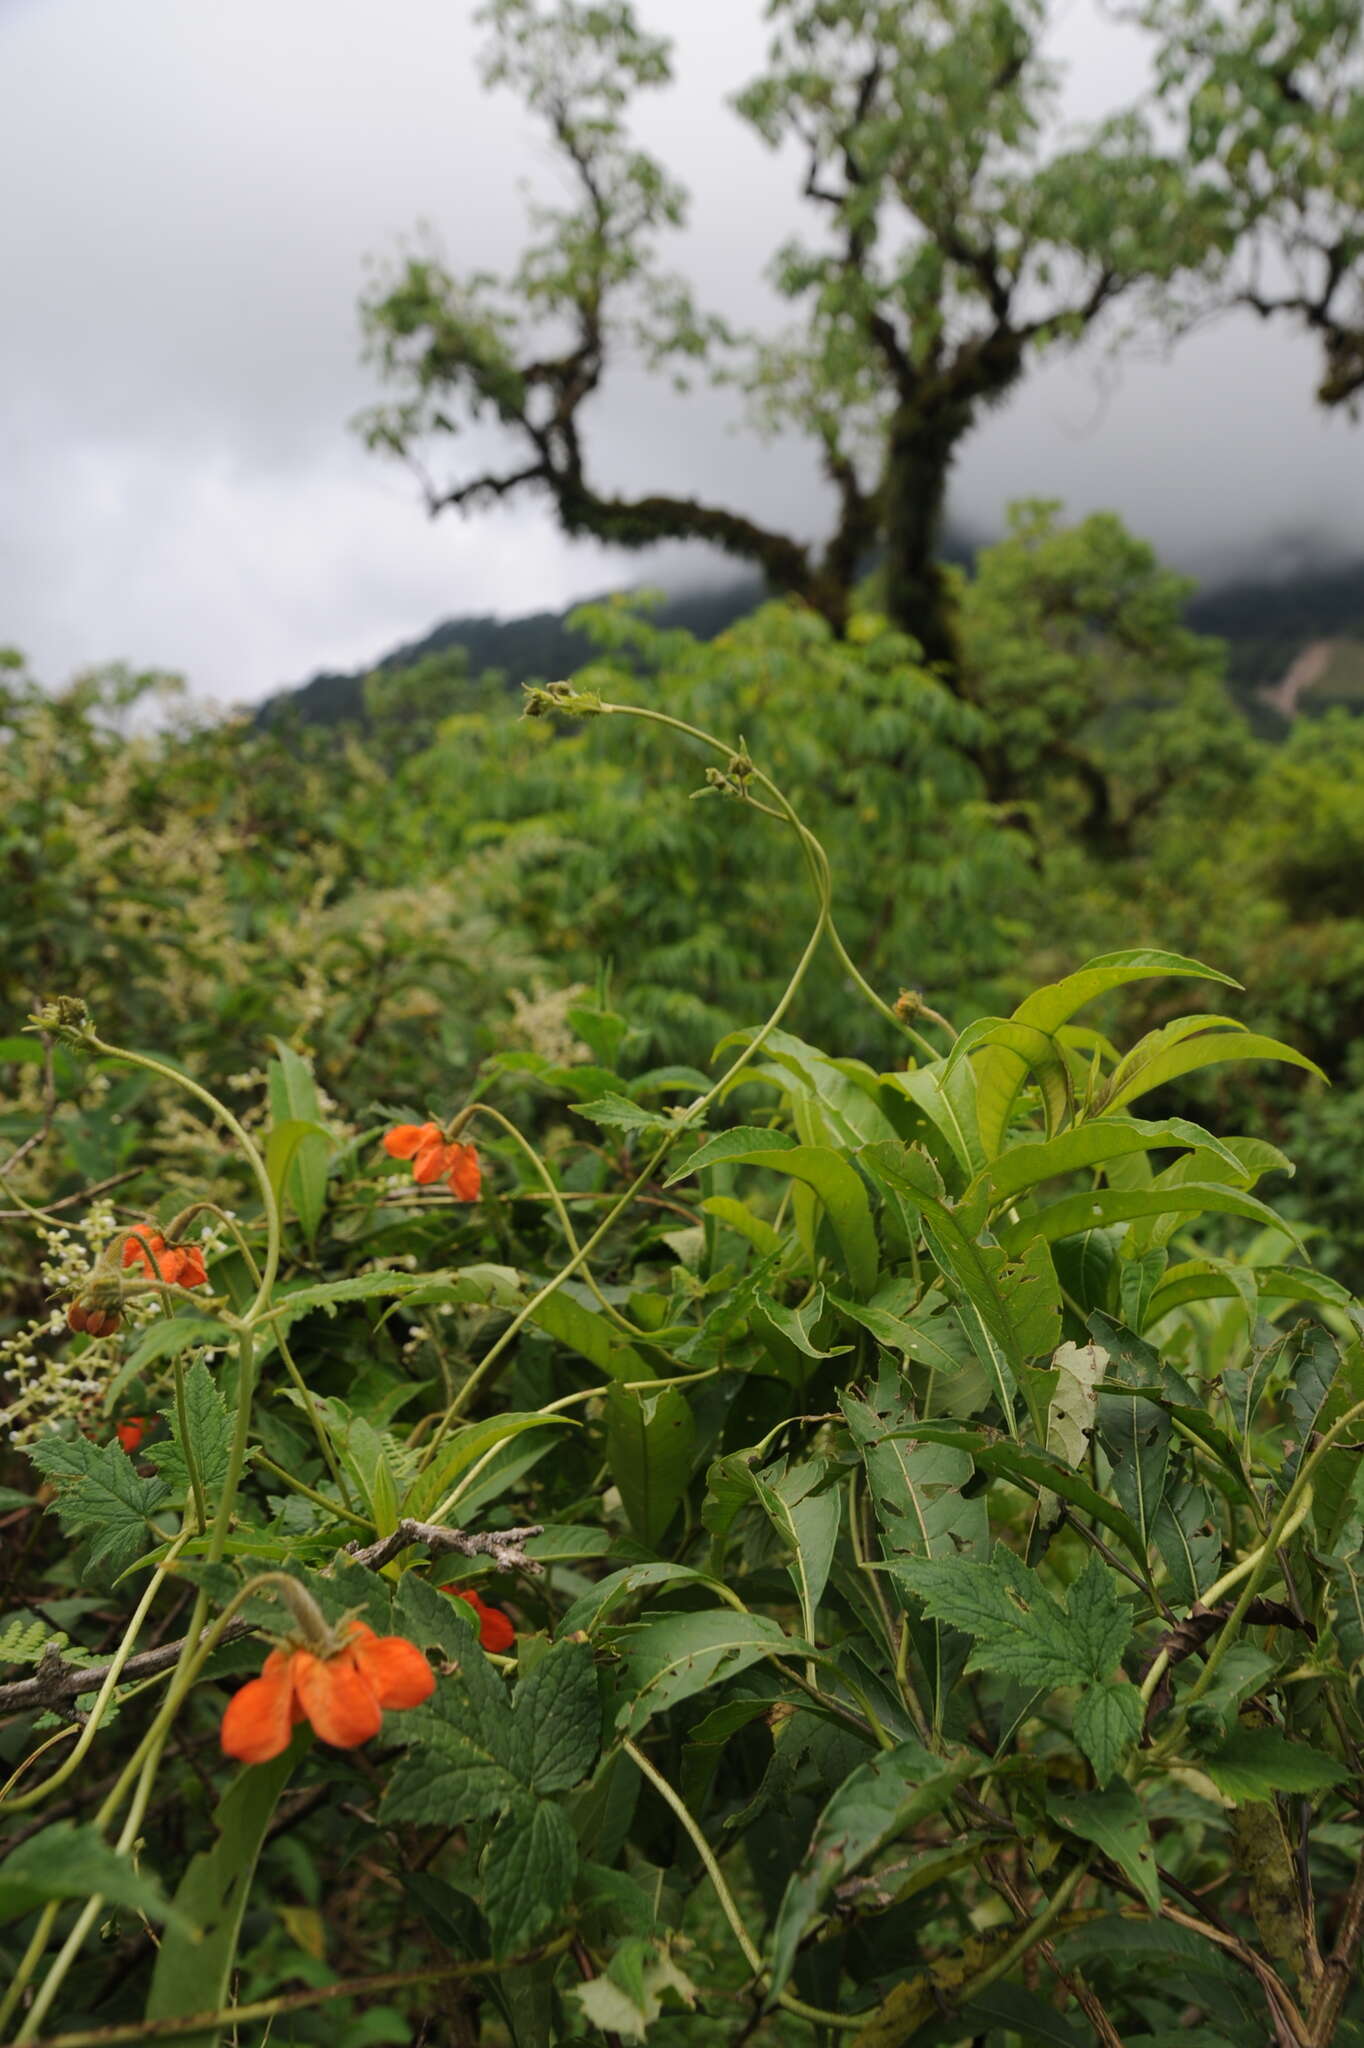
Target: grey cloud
193	192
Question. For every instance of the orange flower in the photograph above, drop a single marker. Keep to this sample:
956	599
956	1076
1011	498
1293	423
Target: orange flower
131	1432
433	1159
495	1630
179	1265
343	1695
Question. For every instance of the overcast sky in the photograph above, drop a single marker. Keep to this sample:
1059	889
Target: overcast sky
192	189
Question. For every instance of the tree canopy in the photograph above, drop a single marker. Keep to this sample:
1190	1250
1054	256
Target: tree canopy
958	234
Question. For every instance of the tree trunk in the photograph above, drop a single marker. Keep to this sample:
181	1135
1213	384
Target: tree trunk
919	454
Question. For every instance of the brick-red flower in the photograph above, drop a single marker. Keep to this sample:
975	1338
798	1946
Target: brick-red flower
179	1265
344	1695
131	1432
495	1630
434	1159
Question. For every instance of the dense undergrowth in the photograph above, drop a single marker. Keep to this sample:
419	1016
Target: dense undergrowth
909	1463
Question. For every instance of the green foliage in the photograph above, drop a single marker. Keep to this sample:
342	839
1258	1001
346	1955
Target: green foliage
950	1553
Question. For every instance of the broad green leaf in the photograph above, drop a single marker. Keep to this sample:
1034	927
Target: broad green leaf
1097	1208
594	1607
556	1720
1115	1822
585	1330
947	1100
528	1870
881	1801
1034	1472
669	1660
804	1518
731	1145
1089	1145
101	1496
1002	1070
1259	1763
1010	1309
463	1450
650	1445
303	1174
210	1435
996	1087
1152	1064
917	1487
1213	1280
841	1093
194	1969
66	1861
737	1216
843	1196
1135	1432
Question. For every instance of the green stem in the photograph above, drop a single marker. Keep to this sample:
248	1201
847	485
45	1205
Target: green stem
843	2021
239	1132
104	1695
196	1484
320	1500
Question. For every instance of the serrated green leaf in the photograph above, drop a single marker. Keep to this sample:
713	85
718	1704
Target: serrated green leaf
556	1722
528	1870
619	1113
1107	1721
1020	1631
101	1496
457	1765
210	1435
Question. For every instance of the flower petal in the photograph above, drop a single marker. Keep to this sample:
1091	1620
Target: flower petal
398	1674
149	1252
193	1272
466	1177
429	1163
260	1718
496	1630
337	1698
406	1139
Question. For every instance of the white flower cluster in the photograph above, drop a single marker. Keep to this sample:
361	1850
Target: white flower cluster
47	1385
540	1021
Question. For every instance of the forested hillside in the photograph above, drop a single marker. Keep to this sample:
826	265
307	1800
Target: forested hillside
1266	621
